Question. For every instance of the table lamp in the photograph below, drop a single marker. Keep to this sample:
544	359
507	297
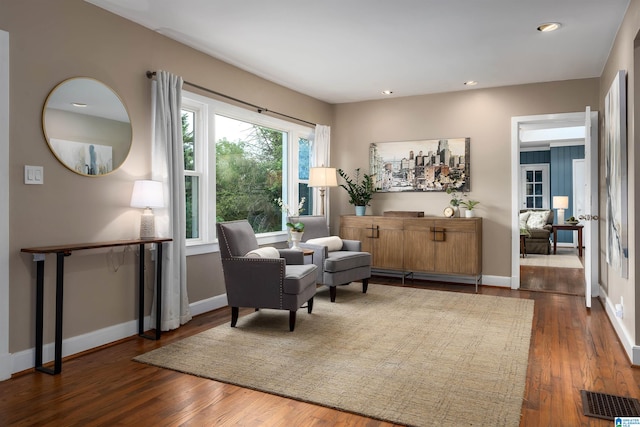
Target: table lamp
322	177
147	194
560	203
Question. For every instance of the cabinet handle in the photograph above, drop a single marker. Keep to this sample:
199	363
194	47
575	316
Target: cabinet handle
375	232
438	233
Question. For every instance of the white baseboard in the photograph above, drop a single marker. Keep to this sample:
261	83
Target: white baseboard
25	359
632	350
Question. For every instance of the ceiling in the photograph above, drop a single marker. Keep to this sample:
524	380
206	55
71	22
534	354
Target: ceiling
351	50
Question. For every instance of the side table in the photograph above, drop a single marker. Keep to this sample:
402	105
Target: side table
572	227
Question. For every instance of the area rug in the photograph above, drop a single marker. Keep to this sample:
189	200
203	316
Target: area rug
560	260
408	356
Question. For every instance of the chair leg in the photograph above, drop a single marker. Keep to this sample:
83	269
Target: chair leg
332	293
310	305
365	285
234	316
292	320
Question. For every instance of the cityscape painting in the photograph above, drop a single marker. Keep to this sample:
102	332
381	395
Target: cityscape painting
424	165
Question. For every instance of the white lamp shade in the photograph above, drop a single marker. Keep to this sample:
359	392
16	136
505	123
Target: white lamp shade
322	177
147	194
560	202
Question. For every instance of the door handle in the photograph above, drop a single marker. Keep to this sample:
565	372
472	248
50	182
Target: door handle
588	217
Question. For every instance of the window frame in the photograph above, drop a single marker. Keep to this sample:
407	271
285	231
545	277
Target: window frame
205	164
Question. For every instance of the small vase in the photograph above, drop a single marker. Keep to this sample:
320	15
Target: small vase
360	210
469	213
296	237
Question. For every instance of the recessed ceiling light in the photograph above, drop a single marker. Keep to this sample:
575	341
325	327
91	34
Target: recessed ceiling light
549	26
387	92
78	104
471	83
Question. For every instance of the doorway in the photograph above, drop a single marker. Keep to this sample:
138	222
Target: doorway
532	136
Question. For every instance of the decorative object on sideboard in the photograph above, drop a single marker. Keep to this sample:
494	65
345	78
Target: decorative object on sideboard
469	205
147	194
572	220
423	165
560	203
87	126
322	177
360	191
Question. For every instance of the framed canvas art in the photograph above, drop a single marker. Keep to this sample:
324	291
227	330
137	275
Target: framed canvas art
423	165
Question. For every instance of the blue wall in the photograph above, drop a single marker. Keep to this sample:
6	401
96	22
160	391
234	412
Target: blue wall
560	160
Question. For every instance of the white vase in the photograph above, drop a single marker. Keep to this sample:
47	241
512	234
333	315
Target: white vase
296	237
469	213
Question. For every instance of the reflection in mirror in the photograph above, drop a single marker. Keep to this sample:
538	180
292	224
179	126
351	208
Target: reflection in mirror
87	126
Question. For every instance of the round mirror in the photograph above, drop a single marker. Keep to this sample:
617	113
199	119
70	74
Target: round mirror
87	126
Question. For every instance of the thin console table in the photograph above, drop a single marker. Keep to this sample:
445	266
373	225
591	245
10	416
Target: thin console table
62	251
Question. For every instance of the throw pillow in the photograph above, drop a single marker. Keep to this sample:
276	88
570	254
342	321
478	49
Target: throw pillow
333	243
524	216
537	219
265	252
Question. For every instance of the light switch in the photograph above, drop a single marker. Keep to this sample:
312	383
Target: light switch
33	174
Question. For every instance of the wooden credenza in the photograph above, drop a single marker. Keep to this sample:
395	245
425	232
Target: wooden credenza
427	245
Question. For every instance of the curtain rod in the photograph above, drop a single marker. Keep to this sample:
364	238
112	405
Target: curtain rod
151	75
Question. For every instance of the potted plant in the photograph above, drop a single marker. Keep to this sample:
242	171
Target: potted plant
469	205
296	229
455	200
360	191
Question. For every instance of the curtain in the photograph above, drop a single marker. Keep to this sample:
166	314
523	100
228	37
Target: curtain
320	158
167	166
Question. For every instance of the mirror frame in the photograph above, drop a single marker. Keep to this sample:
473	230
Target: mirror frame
90	146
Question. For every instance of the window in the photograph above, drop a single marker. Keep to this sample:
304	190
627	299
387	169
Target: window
237	164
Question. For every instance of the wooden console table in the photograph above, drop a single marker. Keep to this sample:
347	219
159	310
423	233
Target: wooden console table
577	228
62	251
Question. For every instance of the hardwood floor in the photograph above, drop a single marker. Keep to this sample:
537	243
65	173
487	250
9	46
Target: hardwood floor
571	349
549	279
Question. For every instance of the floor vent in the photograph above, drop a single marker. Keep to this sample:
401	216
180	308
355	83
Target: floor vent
607	406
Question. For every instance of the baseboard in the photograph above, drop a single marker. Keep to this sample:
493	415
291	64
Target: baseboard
632	350
25	359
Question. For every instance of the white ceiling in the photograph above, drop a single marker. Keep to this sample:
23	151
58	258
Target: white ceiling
350	50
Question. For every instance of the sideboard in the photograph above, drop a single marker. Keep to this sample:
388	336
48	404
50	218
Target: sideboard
428	245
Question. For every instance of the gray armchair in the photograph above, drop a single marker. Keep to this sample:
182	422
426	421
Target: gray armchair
263	282
335	267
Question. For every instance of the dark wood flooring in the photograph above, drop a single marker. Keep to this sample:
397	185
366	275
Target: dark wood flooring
571	349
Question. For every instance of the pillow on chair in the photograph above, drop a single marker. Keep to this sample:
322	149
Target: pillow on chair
333	243
524	216
265	252
537	219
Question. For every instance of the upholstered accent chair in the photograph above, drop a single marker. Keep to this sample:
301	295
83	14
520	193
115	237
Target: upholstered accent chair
538	224
263	277
339	261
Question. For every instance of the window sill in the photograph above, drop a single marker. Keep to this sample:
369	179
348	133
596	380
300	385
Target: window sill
201	248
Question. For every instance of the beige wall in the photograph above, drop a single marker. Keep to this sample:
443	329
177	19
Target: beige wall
622	58
53	41
484	115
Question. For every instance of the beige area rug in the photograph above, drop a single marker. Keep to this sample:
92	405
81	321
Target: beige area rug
565	258
409	356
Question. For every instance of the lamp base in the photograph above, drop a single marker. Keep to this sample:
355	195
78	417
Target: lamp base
147	225
560	220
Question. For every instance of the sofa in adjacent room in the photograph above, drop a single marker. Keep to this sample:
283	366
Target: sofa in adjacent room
538	224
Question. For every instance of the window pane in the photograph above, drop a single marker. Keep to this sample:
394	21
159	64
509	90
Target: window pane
538	203
304	160
188	139
249	161
538	177
191	185
305	191
529	176
538	189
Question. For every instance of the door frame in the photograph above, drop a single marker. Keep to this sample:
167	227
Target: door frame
578	117
5	356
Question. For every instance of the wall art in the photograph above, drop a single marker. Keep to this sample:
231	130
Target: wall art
422	165
615	135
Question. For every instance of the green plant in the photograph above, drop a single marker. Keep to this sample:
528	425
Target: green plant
294	226
469	204
360	192
456	199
